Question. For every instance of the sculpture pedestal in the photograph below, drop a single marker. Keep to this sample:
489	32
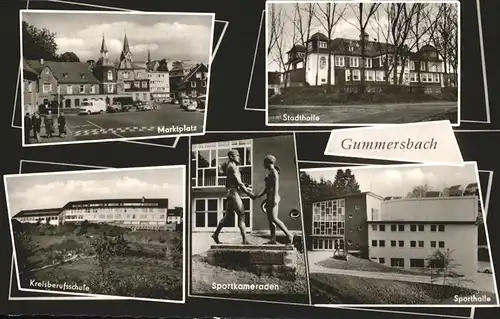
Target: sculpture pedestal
274	260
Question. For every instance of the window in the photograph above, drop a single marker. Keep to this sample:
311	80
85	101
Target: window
137	84
82	89
420	244
421	227
47	71
381	260
144	84
110	88
413	77
381	243
329	218
423	66
354	62
437	78
203	83
393	243
322	45
417	263
433	244
309	46
139	75
339	61
413	243
347	75
441	228
69	89
369	75
368	62
441	244
381	227
394	227
397	262
193	84
322	62
356	75
433	227
92	89
412	65
47	87
413	227
380	76
401	227
374	227
374	243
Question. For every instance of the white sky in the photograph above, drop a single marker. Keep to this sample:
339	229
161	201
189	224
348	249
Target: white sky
55	190
170	36
398	181
345	28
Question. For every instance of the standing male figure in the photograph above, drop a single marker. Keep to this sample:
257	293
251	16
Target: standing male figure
234	203
49	124
61	121
27	128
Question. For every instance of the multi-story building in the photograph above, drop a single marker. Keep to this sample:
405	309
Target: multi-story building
194	83
178	71
339	221
30	91
406	232
135	213
381	64
33	216
132	78
175	215
208	180
106	72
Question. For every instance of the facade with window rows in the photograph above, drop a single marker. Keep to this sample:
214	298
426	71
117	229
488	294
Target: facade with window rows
397	232
151	213
379	66
208	183
194	84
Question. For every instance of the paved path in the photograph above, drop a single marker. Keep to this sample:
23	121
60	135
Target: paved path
359	114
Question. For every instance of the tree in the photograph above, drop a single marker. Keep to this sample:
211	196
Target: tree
418	191
68	57
105	247
305	14
442	265
328	17
363	17
163	65
38	43
24	246
275	17
312	190
351	186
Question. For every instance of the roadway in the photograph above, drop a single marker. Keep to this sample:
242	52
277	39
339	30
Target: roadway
360	114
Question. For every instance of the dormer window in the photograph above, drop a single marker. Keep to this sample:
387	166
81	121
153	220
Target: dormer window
322	45
65	75
309	46
82	75
47	71
351	48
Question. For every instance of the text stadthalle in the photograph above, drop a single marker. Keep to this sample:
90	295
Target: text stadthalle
408	144
300	118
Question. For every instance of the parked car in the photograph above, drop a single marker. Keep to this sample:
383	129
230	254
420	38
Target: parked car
175	101
92	107
143	106
192	106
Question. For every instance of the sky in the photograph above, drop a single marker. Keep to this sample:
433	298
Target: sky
398	181
170	36
38	191
345	28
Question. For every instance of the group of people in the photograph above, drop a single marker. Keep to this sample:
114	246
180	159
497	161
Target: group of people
33	124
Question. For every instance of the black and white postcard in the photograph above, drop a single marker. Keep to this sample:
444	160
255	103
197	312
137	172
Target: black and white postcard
103	76
107	233
362	63
397	235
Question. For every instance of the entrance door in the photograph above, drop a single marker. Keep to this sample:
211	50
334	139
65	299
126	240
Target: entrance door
67	103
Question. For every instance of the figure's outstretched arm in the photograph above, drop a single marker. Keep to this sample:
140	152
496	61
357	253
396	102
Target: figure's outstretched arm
240	183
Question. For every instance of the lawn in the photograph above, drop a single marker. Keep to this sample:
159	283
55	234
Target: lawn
352	290
355	263
451	115
204	275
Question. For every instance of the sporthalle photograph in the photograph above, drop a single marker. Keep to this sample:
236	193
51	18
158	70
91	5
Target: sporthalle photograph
246	230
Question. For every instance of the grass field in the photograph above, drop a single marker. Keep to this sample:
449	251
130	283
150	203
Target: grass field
343	289
354	263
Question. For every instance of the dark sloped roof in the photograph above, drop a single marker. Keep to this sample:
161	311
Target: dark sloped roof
67	72
318	36
28	68
118	202
297	48
38	212
198	68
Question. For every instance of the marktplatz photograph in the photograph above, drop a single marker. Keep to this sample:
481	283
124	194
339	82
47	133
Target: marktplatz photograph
410	234
360	63
92	76
113	232
246	224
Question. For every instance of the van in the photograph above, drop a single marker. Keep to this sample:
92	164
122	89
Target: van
92	107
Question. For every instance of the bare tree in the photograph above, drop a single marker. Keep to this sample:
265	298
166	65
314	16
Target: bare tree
328	17
304	17
274	27
380	25
363	14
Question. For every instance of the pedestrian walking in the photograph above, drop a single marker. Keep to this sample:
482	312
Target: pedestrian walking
336	251
28	125
36	122
49	124
61	121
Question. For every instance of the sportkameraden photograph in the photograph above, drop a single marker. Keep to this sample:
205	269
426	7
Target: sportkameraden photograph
246	223
102	233
92	76
362	62
399	235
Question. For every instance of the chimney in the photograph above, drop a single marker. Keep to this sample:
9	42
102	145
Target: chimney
41	61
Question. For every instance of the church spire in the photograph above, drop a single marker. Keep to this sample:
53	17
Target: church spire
104	48
126	54
149	55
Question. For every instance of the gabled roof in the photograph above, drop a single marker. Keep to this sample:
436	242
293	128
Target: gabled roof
28	68
67	72
198	68
38	212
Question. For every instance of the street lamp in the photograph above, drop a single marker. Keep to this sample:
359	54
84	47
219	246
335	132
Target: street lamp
58	98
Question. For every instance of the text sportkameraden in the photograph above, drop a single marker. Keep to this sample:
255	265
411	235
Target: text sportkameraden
244	287
179	129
